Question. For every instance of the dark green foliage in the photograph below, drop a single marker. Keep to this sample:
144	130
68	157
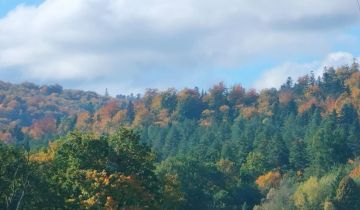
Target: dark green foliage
23	184
13	176
278	153
169	100
130	112
198	181
189	105
128	156
347	195
328	148
298	157
205	187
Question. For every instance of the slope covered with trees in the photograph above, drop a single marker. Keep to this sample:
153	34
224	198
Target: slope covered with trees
41	112
296	147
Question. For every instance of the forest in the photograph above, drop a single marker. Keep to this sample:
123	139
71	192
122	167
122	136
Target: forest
295	147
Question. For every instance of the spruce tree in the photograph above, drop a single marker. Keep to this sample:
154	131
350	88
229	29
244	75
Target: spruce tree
278	154
298	157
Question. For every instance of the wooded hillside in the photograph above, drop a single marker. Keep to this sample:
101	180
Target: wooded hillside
296	147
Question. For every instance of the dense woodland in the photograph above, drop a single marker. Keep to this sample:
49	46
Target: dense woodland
296	147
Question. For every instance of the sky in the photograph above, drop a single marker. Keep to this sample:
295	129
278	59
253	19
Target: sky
127	46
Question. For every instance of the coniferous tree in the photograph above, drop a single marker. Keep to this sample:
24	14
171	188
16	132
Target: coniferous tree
278	154
172	140
298	157
130	112
353	140
347	195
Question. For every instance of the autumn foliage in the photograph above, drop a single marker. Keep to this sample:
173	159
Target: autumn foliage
269	180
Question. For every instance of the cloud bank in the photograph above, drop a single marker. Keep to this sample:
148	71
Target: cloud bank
131	44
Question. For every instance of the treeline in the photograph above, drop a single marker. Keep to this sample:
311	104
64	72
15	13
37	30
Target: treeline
330	92
44	112
296	147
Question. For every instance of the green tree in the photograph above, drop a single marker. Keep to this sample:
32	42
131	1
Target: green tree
199	183
169	100
24	184
172	140
347	194
130	112
14	177
254	166
278	154
89	169
189	104
328	146
298	157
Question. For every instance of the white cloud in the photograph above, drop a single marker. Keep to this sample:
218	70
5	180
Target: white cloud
277	76
336	59
118	41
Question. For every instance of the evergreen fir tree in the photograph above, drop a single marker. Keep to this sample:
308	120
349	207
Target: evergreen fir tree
278	154
298	157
